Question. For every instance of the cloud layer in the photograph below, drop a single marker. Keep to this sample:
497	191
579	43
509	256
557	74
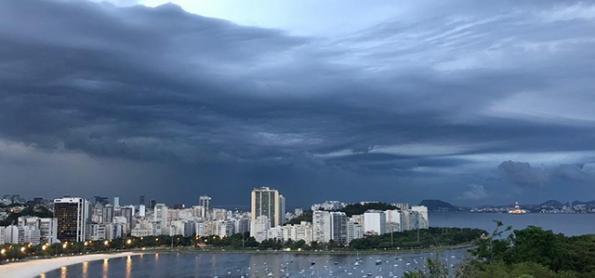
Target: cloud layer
157	101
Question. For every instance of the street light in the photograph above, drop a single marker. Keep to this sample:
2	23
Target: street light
23	249
129	241
106	243
44	247
65	245
3	251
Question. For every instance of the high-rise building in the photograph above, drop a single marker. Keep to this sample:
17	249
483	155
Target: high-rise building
355	229
116	202
282	209
270	203
97	213
141	211
48	228
393	220
321	226
205	203
421	220
108	214
374	222
406	224
338	227
141	200
72	215
128	213
160	218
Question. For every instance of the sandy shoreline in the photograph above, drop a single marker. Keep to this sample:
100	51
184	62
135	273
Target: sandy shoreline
34	268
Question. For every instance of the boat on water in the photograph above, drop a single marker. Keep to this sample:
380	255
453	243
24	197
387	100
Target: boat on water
517	209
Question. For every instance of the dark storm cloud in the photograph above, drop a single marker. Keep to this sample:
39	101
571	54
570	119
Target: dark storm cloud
435	100
523	174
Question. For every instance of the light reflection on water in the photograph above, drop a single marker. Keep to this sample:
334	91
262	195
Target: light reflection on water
190	264
85	273
128	267
105	268
64	272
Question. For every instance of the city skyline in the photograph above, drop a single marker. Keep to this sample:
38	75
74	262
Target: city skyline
69	220
466	102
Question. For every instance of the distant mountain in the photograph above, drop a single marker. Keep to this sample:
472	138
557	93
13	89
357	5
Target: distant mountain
551	204
439	206
588	203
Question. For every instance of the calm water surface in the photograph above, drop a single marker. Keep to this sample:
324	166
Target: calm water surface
568	224
254	265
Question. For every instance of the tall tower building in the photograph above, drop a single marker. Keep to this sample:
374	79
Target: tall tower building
116	202
160	218
108	214
321	226
205	203
270	203
338	227
72	215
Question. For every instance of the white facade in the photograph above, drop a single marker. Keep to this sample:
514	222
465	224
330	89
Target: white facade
393	220
11	234
355	229
406	224
142	228
275	233
304	232
205	203
161	219
259	228
270	203
297	232
142	211
321	226
98	232
374	222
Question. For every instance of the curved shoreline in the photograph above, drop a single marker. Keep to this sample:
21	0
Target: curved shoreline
34	268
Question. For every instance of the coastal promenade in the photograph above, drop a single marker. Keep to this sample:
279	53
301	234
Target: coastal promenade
33	268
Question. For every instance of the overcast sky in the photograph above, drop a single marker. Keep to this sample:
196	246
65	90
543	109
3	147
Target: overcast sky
473	102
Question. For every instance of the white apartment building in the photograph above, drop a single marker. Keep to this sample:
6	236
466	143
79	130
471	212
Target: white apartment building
355	229
374	222
270	203
321	226
393	220
259	228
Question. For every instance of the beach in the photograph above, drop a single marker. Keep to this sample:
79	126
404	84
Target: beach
34	268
